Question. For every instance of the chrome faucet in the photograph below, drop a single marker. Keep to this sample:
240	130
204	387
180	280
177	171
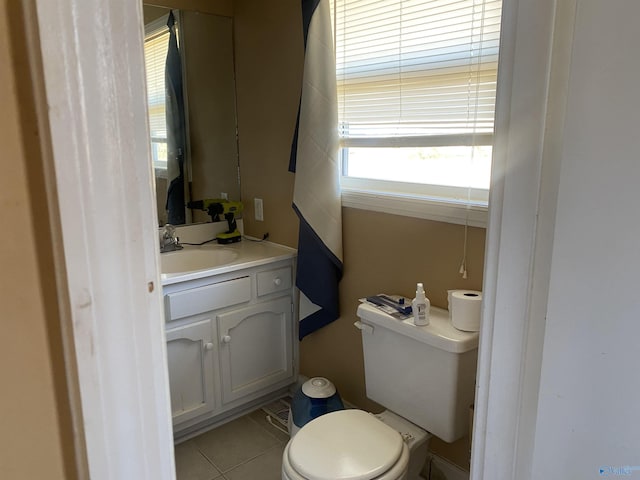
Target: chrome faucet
168	240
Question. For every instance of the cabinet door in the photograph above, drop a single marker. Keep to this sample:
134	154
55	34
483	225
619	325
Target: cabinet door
255	348
190	359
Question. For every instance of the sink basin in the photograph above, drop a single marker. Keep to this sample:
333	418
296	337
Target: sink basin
191	260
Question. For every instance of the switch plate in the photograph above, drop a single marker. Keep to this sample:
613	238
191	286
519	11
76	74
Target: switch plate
224	195
257	208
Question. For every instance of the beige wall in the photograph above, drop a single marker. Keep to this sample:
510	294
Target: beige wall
207	48
151	13
387	254
218	7
382	253
268	75
211	107
37	439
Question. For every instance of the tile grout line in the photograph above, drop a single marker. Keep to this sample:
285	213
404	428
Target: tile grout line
222	472
249	459
264	428
211	462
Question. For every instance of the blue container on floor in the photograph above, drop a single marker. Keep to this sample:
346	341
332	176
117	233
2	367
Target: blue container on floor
314	398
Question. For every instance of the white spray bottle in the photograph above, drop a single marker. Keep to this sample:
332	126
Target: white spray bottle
420	307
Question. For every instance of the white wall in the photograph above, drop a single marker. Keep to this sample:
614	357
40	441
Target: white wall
589	395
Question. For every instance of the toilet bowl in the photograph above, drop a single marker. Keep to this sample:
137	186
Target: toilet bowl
424	375
347	444
353	444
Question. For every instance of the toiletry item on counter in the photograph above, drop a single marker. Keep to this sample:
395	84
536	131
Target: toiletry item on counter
465	308
394	305
421	306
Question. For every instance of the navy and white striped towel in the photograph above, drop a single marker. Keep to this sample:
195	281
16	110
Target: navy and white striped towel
314	159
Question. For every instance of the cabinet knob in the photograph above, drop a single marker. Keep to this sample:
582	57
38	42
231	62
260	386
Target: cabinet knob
226	339
208	346
277	281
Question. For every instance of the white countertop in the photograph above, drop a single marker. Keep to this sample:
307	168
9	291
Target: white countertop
250	254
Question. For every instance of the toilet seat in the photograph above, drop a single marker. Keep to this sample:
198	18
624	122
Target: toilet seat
346	445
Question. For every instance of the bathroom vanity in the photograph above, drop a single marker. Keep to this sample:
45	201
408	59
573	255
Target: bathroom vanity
231	330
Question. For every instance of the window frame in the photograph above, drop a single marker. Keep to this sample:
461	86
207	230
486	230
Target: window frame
153	29
460	205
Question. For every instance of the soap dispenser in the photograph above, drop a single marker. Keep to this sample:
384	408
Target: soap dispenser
420	307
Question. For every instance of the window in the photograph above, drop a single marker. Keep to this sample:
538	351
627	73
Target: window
416	98
156	45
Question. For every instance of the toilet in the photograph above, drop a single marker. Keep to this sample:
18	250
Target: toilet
423	375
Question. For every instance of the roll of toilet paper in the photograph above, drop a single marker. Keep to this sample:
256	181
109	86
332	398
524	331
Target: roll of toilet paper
465	308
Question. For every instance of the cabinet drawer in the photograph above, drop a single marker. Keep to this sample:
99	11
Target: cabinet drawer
210	297
274	281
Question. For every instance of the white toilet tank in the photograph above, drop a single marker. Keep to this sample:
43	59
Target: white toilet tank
425	374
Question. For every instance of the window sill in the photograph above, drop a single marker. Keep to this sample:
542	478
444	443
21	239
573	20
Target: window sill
160	172
415	206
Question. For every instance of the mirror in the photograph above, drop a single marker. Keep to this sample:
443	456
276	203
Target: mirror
211	169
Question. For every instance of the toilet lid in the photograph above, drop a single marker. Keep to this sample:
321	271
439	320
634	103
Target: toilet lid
345	445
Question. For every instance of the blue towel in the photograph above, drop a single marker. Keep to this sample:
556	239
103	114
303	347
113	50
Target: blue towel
314	159
176	130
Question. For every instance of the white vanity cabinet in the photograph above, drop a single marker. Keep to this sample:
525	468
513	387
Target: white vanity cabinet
190	360
255	347
231	342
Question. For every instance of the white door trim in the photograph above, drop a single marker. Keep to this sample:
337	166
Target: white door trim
518	252
93	75
93	70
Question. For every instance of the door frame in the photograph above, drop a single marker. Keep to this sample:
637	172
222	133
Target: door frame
524	188
87	61
93	109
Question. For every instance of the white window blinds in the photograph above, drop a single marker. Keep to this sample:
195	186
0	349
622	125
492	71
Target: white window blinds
419	70
156	46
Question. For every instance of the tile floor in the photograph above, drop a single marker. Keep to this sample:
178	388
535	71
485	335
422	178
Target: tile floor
248	448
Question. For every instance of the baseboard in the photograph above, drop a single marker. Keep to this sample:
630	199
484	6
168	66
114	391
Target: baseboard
199	427
438	468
